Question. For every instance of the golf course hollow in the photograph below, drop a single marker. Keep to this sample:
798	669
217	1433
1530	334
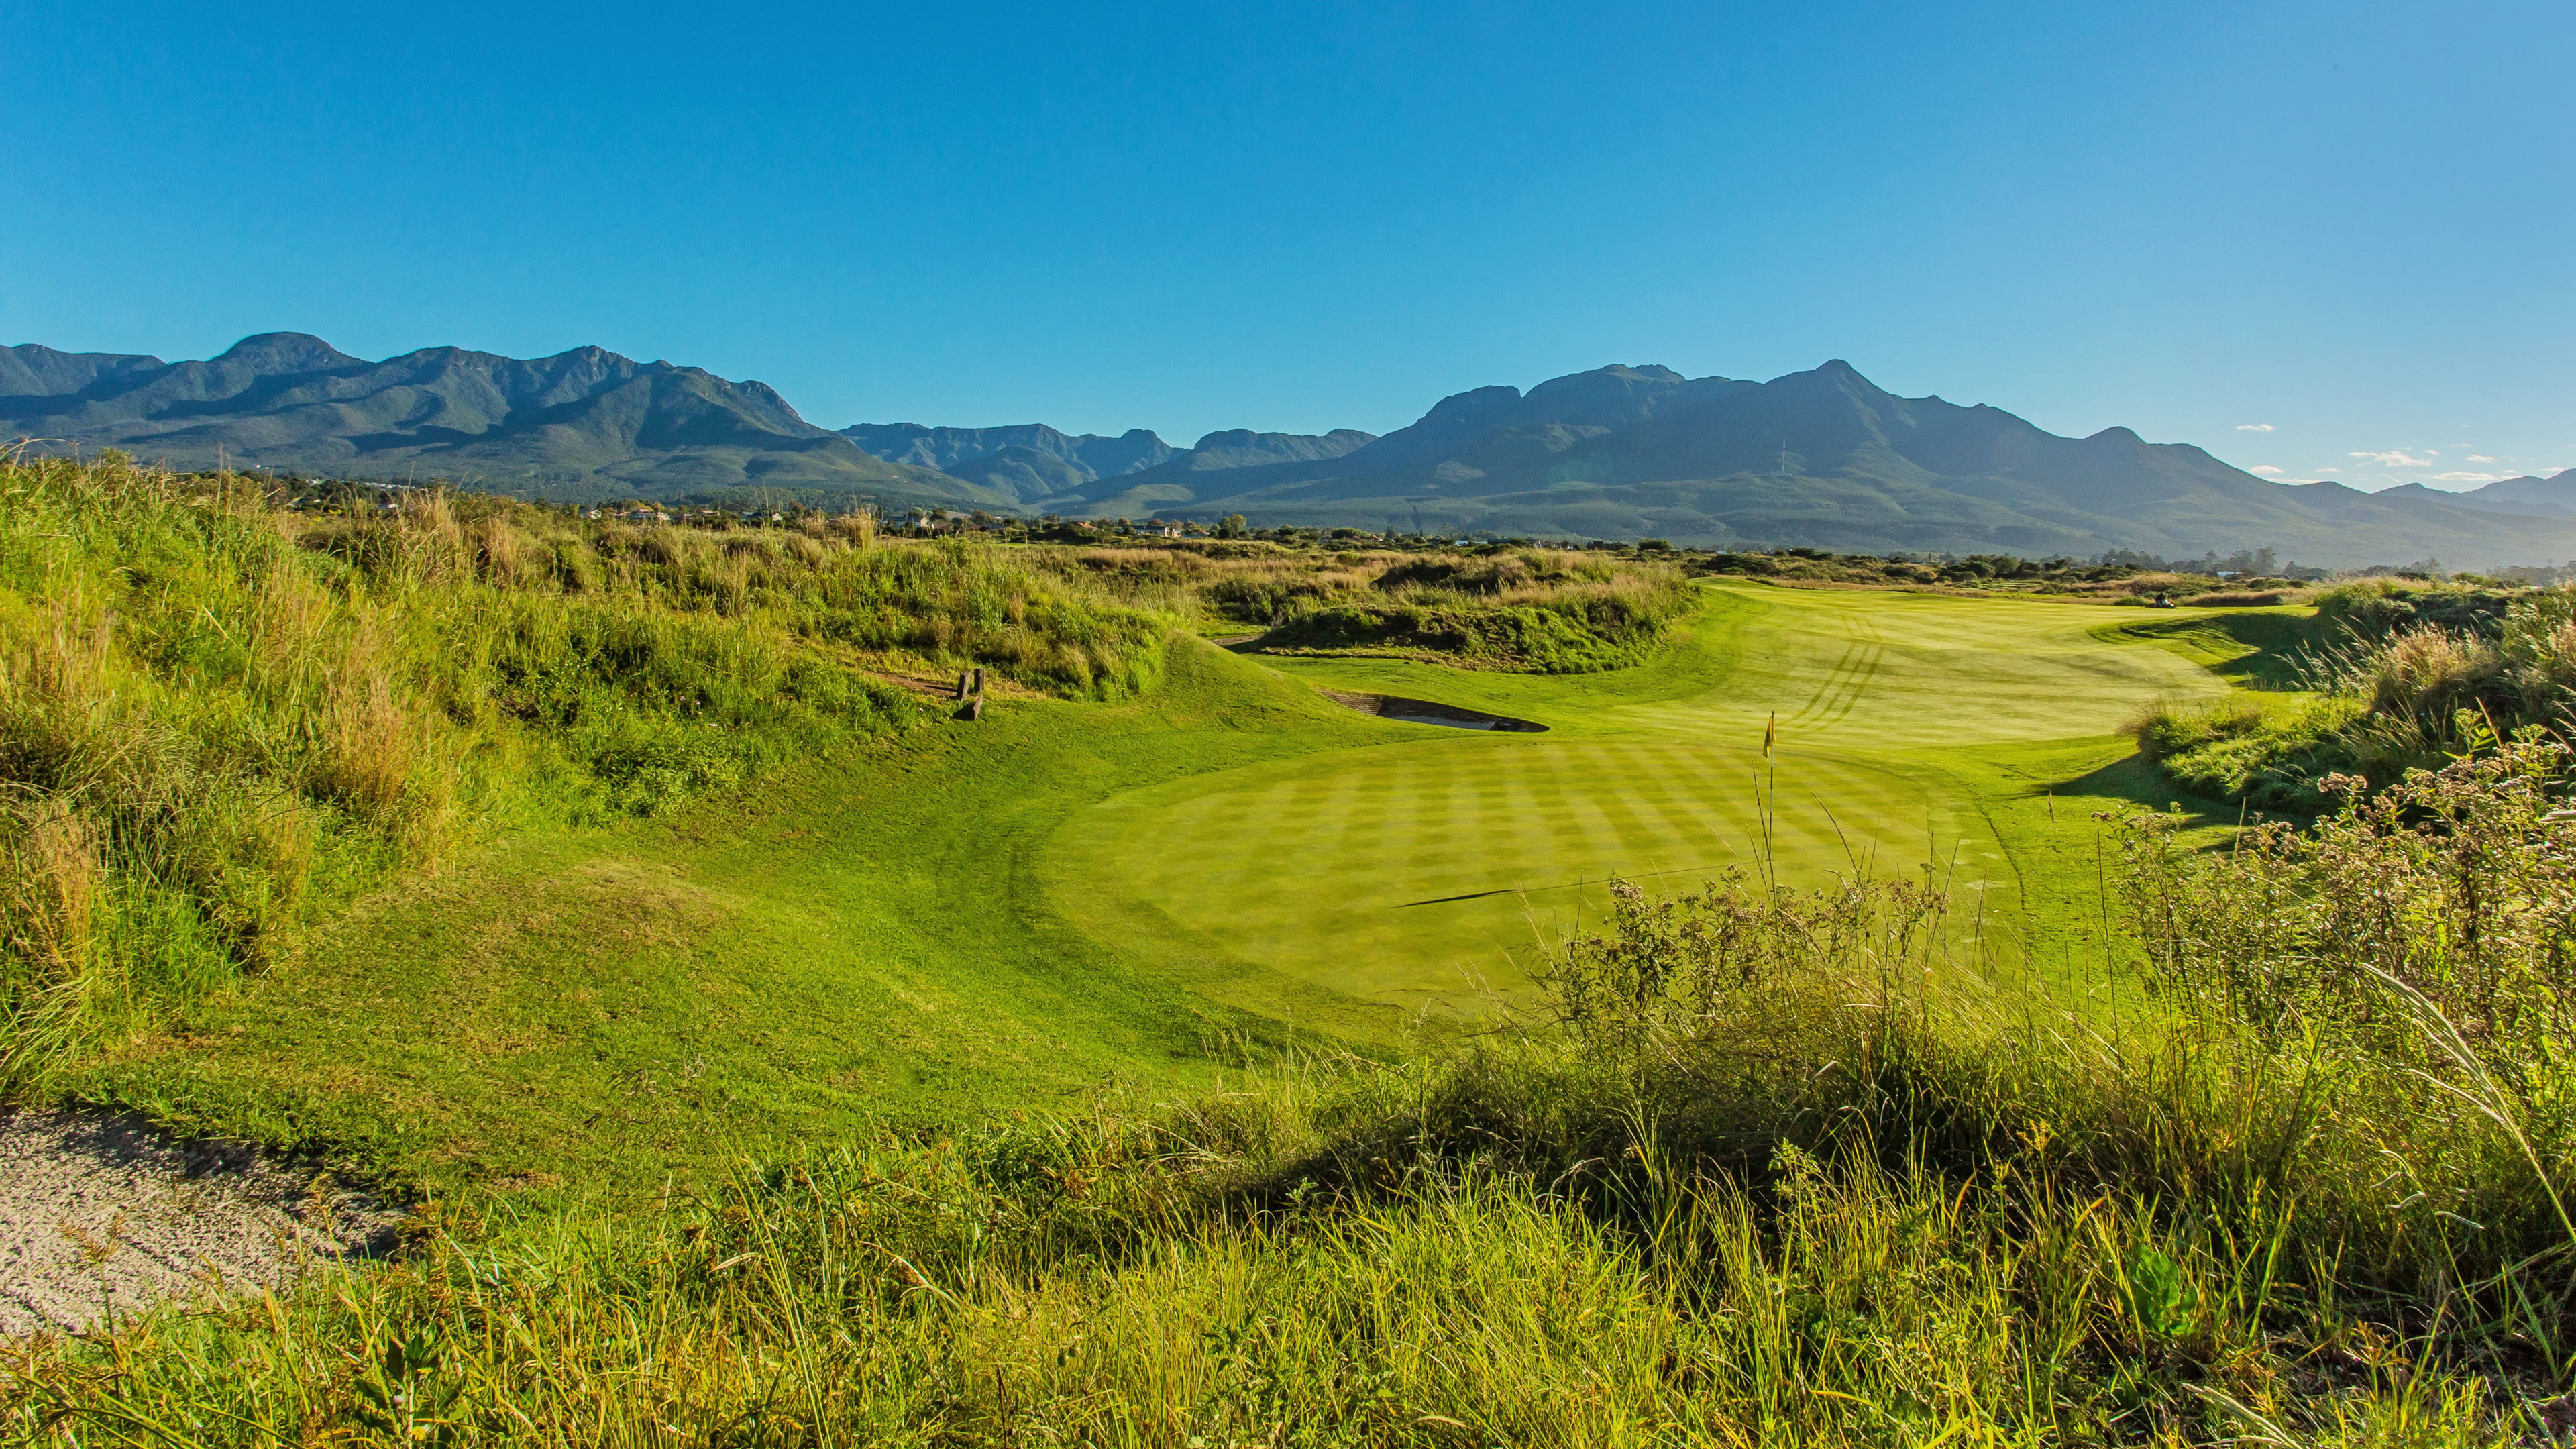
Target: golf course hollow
1423	711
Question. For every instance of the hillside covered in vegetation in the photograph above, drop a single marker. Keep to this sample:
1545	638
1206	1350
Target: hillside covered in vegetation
223	716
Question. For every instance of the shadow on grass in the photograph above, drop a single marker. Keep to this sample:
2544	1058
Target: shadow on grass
2259	650
2139	780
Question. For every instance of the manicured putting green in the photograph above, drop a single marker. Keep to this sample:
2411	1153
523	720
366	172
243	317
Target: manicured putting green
1423	872
1415	876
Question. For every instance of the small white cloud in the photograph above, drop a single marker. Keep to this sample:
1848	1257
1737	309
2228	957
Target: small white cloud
2480	458
2468	477
2253	427
2266	469
2401	459
2329	470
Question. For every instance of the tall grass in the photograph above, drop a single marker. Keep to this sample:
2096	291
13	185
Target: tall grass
1779	1167
1530	609
2401	680
219	716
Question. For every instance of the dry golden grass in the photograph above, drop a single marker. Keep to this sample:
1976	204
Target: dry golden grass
2427	664
56	874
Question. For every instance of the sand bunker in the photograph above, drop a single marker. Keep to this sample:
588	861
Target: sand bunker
1423	711
103	1216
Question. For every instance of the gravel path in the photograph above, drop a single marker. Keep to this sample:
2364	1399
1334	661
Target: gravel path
102	1216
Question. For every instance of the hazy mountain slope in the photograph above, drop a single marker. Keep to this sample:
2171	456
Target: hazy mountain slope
581	424
1607	397
1243	448
33	371
1604	398
2551	497
1024	462
1238	450
2558	488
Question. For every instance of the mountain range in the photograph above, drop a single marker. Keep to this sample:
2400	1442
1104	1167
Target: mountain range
1823	458
2551	497
579	426
1031	462
1826	458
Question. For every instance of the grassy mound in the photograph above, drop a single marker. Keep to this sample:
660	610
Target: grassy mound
1522	609
2385	679
1547	613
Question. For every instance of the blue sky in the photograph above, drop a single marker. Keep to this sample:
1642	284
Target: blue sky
2333	240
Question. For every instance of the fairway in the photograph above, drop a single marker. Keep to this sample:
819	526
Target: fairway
1425	872
1009	915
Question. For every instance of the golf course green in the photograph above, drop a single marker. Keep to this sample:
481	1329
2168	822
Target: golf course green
1421	872
1010	914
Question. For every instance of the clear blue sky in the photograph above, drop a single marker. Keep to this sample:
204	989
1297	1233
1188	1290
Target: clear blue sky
2351	223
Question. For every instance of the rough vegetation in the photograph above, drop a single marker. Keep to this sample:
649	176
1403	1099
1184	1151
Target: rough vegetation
2390	676
1503	607
219	715
1777	1169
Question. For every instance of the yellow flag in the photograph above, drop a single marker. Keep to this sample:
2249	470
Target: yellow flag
1770	733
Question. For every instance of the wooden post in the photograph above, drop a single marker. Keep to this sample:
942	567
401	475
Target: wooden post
979	679
961	684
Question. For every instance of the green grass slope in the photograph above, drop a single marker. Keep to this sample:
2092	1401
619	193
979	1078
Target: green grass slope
846	943
1782	1175
1004	915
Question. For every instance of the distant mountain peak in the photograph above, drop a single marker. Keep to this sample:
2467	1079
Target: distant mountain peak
1238	447
1841	376
1473	400
270	352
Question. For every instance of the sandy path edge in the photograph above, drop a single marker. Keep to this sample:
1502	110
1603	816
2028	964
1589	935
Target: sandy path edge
103	1215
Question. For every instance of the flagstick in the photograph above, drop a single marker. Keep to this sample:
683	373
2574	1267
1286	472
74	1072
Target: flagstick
1771	797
